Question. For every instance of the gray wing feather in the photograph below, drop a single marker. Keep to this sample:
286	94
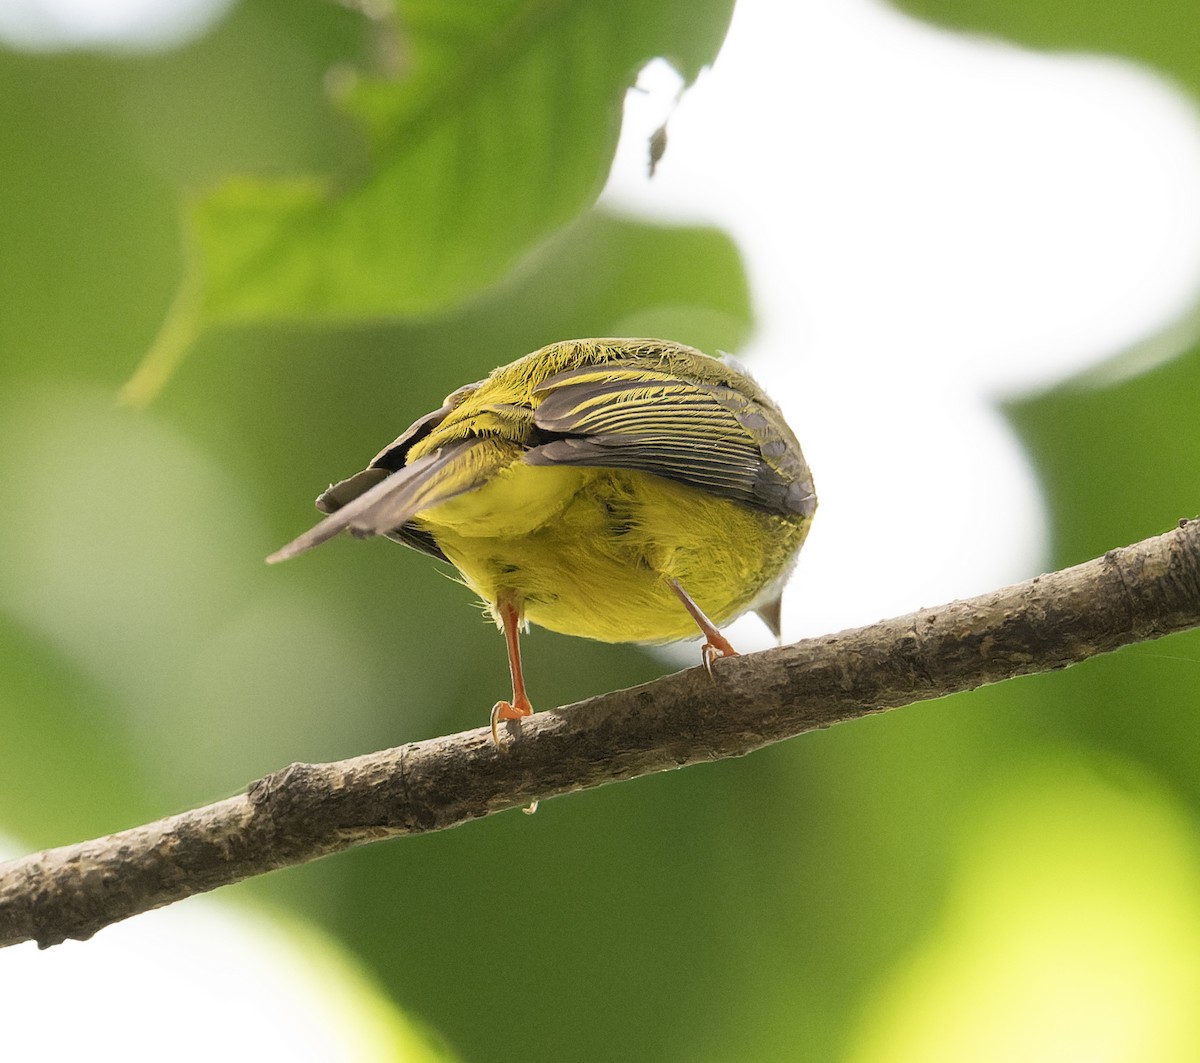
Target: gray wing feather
384	508
706	435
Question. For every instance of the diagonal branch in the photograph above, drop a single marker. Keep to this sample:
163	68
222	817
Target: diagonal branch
308	811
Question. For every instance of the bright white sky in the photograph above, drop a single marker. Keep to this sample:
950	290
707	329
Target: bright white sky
930	222
138	25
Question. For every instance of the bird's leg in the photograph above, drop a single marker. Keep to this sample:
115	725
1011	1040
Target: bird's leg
519	707
715	644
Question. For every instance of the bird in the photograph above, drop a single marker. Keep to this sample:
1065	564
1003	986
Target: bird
624	490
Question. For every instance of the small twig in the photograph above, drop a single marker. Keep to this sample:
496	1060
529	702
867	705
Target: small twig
311	810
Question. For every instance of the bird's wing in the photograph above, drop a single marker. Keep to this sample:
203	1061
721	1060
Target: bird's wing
395	454
704	434
385	507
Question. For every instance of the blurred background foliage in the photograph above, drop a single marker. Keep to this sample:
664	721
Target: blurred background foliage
883	891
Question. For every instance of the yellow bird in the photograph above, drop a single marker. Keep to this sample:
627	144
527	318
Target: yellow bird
626	490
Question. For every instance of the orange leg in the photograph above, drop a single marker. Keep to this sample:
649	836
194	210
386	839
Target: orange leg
519	707
715	644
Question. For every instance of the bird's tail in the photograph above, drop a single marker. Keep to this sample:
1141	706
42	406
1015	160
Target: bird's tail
432	479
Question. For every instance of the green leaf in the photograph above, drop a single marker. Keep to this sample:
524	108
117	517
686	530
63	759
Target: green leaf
613	276
1161	33
62	740
501	129
1117	463
1070	925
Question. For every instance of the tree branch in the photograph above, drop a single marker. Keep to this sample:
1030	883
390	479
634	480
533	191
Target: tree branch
308	811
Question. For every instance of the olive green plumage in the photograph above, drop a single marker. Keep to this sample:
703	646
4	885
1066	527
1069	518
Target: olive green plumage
575	484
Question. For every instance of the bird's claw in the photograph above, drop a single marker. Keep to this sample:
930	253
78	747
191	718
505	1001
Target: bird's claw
506	710
714	648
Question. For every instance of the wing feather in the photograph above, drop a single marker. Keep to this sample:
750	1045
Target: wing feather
708	435
386	507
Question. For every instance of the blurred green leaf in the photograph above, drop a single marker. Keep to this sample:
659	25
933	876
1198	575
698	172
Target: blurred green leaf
1071	931
607	276
66	759
1118	462
96	149
498	127
1160	33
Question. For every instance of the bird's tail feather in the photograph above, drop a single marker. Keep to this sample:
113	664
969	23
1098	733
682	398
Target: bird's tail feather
430	480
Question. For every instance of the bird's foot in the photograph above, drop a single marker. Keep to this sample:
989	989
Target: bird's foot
717	645
517	709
